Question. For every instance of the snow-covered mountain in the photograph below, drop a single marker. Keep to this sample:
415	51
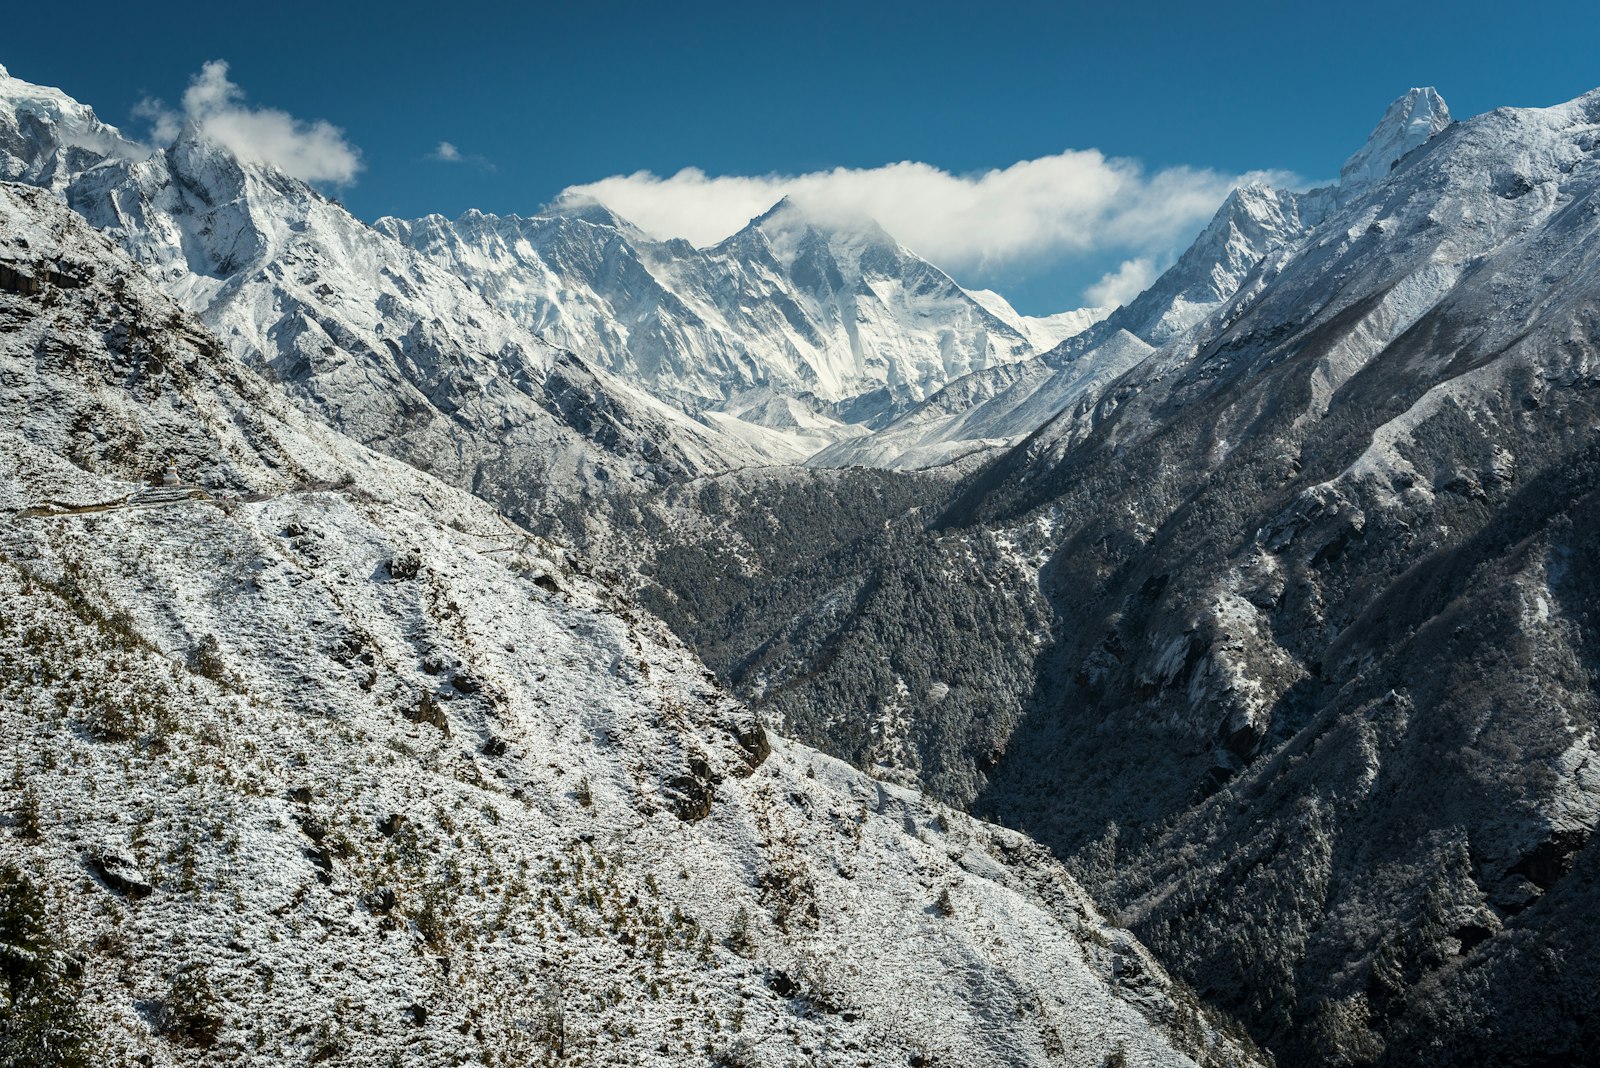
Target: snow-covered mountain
1409	122
1353	546
47	138
531	356
998	408
1284	636
834	316
386	345
314	758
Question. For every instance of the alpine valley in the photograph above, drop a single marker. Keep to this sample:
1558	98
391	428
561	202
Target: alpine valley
520	640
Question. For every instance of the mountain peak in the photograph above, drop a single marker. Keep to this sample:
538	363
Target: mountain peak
791	226
586	209
1409	122
47	137
784	206
790	214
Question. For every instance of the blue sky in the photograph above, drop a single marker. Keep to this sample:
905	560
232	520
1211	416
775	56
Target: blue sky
544	97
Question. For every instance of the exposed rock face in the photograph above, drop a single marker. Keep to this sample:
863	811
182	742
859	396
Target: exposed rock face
119	871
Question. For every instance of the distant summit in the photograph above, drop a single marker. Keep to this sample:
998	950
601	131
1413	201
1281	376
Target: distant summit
820	308
577	206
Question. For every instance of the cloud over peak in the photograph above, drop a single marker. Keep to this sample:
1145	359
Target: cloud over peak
314	151
1123	284
1072	203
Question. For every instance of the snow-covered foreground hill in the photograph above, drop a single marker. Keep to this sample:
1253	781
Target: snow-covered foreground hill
313	758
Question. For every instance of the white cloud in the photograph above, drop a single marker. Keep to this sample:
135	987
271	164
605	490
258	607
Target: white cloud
448	152
164	124
313	151
1076	203
1123	284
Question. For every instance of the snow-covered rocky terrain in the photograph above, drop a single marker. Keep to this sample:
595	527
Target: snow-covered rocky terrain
374	338
1282	635
1368	610
813	330
998	408
316	759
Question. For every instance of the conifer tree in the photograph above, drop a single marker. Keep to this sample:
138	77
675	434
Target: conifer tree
41	1025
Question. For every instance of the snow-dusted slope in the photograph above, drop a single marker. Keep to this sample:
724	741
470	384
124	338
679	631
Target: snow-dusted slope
313	758
1338	546
838	315
388	346
999	407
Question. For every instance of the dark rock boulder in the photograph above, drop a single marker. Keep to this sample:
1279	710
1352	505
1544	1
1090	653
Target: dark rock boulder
118	870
